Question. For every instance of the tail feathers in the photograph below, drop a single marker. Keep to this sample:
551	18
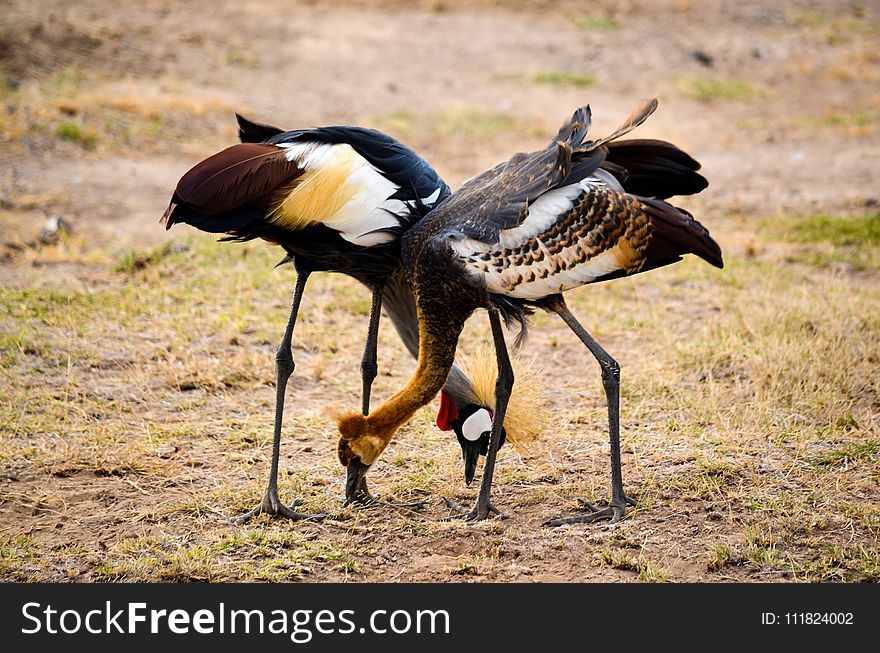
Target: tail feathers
675	233
255	132
639	115
575	130
653	168
586	157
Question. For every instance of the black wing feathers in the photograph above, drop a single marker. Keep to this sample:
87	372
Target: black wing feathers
653	168
255	132
393	159
674	233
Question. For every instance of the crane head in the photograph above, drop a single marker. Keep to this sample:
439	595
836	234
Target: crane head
357	440
472	428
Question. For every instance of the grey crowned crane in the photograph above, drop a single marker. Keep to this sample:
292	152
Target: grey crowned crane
335	199
513	239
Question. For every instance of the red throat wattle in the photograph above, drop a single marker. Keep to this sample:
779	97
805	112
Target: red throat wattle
448	412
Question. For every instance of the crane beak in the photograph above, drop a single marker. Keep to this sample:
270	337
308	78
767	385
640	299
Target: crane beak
355	474
470	452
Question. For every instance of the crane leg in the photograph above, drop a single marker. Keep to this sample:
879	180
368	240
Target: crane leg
369	365
503	388
360	493
284	366
611	382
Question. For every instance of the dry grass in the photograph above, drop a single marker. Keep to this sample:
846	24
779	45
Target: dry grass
136	385
750	395
81	108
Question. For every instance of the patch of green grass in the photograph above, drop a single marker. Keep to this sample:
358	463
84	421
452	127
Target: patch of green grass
595	22
850	119
760	550
826	239
864	450
350	567
564	78
848	231
401	122
648	571
272	556
715	89
473	123
836	28
708	481
468	566
719	555
651	573
851	563
135	260
74	131
238	57
477	123
462	122
15	552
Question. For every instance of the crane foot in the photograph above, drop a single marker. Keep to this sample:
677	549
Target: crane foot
477	513
613	513
271	505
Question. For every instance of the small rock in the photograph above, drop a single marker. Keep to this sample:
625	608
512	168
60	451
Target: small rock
166	451
702	58
55	227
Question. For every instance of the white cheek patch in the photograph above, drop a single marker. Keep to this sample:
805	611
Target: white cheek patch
477	424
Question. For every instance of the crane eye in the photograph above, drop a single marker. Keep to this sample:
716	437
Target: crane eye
477	424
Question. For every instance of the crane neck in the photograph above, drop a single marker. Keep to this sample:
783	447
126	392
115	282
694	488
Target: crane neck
436	355
400	305
366	437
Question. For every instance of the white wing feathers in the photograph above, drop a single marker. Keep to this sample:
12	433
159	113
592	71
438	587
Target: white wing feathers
340	189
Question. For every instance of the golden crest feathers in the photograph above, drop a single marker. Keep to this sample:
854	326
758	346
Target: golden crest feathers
525	414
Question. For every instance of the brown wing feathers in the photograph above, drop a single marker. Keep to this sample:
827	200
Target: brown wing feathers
575	130
232	186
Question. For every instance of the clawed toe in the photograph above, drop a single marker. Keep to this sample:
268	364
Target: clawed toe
454	505
272	506
613	513
479	512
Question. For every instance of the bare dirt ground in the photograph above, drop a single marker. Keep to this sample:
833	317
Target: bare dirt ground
137	364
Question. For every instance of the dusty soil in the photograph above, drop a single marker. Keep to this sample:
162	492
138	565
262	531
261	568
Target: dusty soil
128	474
